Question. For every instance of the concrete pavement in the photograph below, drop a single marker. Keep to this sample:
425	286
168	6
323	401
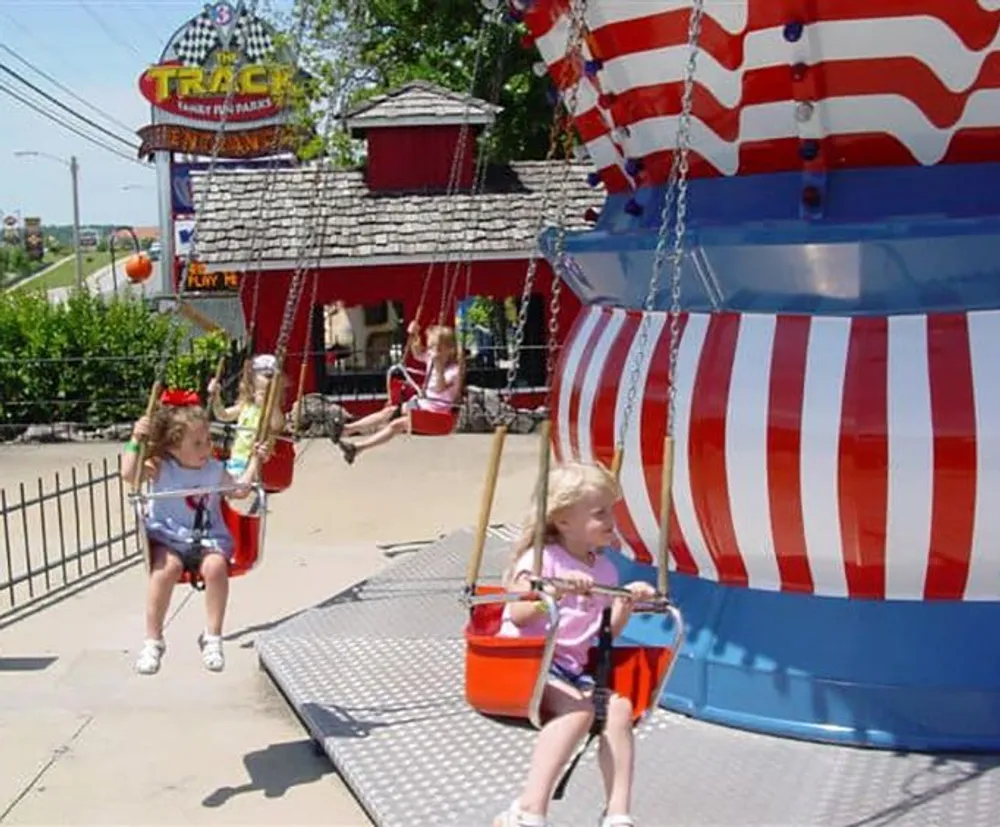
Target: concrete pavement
87	741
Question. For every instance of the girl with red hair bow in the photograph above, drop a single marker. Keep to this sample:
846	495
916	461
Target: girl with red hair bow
185	533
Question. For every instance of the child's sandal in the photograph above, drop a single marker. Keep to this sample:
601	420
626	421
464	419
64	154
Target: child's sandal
514	816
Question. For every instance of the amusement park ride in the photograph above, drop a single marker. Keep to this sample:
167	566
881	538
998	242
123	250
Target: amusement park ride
793	279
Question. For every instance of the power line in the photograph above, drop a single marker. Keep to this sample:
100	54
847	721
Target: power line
112	35
56	119
66	89
65	108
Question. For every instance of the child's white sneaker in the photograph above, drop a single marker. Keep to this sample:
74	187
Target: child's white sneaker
514	816
211	652
150	655
617	821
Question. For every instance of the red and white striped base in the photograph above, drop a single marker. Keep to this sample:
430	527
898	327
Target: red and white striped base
833	456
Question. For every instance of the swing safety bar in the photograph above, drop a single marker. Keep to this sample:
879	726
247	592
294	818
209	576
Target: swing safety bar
257	488
658	605
248	529
401	370
548	651
221	427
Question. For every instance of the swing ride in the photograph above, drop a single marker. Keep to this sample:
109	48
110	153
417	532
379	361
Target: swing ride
823	346
788	316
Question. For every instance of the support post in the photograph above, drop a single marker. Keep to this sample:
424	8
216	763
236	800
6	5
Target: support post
74	169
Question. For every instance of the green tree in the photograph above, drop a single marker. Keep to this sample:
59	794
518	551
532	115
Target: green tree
382	44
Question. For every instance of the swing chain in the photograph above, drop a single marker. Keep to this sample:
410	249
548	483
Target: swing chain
676	190
338	89
479	176
680	227
256	254
173	322
561	125
575	53
489	19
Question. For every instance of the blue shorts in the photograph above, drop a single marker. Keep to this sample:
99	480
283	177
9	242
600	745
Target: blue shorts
582	682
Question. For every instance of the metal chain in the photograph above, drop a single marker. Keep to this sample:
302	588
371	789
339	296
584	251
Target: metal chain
676	182
338	88
321	181
482	168
256	254
489	19
175	315
562	121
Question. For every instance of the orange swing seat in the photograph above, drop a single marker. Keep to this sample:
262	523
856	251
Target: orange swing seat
505	677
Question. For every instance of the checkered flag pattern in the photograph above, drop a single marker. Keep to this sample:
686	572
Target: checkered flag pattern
197	43
253	38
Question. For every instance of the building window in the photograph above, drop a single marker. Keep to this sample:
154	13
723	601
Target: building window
360	343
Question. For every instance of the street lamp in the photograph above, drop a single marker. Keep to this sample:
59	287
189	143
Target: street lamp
111	248
74	168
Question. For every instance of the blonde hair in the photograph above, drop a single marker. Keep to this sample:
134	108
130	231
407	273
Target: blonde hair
169	425
444	335
248	378
568	484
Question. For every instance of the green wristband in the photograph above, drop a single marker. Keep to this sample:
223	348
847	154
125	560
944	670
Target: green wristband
131	447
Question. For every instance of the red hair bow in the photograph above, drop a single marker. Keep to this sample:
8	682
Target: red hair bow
179	398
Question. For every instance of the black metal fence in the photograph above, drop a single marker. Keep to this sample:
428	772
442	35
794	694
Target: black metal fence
58	532
110	411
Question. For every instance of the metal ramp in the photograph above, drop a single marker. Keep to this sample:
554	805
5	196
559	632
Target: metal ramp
375	674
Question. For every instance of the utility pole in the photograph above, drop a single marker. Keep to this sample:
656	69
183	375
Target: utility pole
74	168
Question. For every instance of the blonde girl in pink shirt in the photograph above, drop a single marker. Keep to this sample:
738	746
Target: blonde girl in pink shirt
440	393
579	527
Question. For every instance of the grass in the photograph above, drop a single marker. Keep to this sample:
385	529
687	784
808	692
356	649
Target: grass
65	274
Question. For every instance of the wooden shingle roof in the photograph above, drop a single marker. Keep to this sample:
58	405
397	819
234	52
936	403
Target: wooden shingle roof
420	103
317	212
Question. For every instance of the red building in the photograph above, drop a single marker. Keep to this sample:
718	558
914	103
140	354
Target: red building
381	238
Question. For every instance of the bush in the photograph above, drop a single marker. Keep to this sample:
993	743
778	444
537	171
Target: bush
91	360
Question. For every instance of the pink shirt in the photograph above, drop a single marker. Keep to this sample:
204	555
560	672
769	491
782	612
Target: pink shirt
579	615
439	400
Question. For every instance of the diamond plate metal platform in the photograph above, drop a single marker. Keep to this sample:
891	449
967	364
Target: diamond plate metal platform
375	675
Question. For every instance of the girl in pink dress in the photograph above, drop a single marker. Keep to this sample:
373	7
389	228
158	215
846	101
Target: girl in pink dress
440	393
579	526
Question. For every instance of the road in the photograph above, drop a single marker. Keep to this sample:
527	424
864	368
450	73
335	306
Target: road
104	282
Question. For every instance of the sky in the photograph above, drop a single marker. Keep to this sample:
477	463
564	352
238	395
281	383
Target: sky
98	49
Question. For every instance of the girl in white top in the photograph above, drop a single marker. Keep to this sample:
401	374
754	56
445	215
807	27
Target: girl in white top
441	390
184	532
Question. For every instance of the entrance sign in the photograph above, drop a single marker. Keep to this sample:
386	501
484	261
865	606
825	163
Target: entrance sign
224	69
222	86
247	143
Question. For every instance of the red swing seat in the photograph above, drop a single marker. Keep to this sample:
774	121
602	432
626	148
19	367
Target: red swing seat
433	423
505	677
422	423
247	531
279	470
